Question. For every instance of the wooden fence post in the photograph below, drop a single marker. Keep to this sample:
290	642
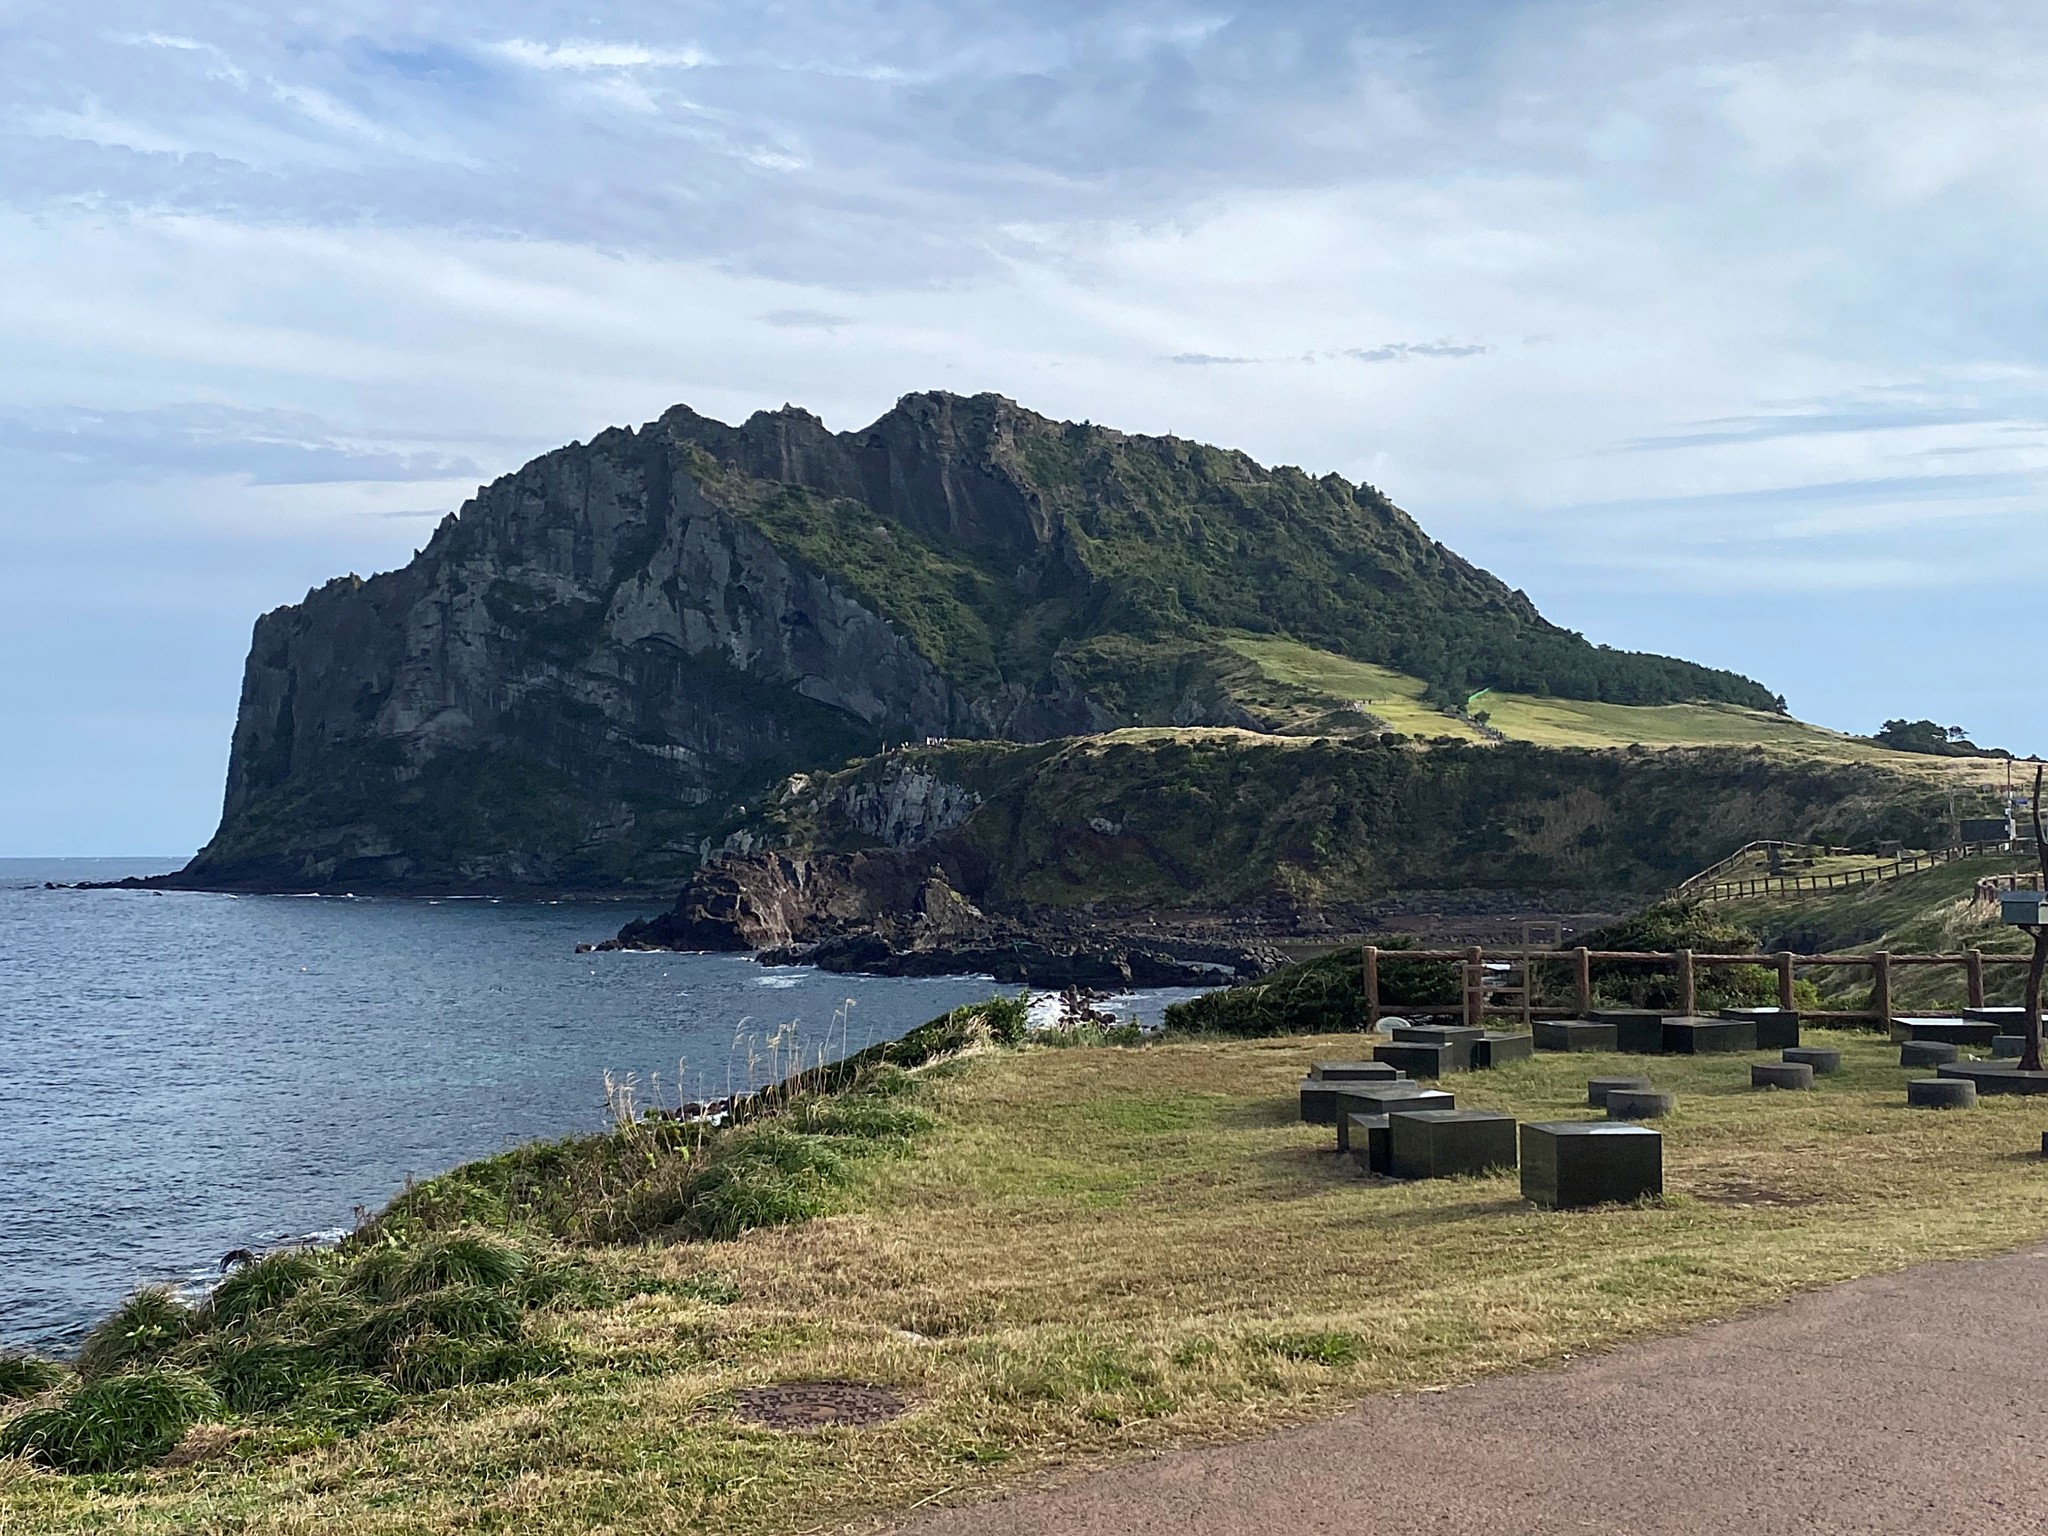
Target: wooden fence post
1475	988
1688	997
1582	979
1785	979
1881	991
1369	961
1973	967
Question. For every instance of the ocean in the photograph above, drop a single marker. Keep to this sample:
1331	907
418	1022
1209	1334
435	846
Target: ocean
183	1074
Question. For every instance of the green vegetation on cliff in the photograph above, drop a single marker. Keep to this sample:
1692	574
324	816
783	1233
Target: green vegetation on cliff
1220	819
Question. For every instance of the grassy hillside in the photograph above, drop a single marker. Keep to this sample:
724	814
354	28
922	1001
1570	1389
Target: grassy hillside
1931	912
1297	687
1063	1259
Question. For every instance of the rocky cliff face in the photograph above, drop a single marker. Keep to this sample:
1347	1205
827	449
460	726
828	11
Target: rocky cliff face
594	669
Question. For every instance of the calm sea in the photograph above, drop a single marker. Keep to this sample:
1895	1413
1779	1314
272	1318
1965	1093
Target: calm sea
185	1074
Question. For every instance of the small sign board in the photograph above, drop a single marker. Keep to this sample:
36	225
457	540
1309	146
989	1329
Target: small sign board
2023	909
1987	829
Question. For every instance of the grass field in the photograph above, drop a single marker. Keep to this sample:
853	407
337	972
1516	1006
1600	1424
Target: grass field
1098	1253
1313	678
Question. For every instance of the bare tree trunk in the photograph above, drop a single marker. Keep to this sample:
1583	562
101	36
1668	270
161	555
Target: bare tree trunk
2030	1058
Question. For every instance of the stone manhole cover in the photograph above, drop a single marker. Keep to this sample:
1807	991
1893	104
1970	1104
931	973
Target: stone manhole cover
818	1405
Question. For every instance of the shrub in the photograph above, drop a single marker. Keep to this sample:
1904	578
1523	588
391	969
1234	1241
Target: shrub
142	1331
257	1375
25	1376
265	1284
761	1177
1317	996
392	1272
112	1424
343	1402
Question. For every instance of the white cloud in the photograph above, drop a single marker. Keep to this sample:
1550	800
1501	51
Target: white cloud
584	54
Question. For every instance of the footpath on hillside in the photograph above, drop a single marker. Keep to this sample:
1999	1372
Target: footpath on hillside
1910	1402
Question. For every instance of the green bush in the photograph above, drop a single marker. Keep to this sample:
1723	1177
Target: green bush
260	1286
760	1177
112	1424
144	1330
25	1376
1319	996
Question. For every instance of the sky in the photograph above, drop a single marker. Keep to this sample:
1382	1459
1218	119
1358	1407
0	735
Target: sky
1718	329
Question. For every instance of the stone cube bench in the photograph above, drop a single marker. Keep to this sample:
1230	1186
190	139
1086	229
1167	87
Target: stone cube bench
1941	1093
1351	1071
2012	1046
1823	1059
1322	1098
2009	1016
1567	1163
1597	1088
1417	1059
1496	1048
1995	1077
1781	1074
1384	1098
1448	1143
1776	1028
1640	1103
1928	1053
1364	1137
1697	1037
1948	1031
1463	1040
1573	1035
1639	1031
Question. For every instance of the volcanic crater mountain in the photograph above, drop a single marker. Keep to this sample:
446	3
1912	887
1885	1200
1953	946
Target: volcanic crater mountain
600	671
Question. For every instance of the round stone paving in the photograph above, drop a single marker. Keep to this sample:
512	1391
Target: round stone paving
818	1405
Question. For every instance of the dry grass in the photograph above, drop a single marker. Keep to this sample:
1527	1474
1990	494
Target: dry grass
1100	1253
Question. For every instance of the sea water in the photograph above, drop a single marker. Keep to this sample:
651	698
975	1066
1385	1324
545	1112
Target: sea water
183	1074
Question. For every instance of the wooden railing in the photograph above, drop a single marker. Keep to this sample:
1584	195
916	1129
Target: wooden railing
1685	964
1773	885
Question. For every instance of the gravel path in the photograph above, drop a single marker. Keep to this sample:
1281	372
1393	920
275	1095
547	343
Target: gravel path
1913	1404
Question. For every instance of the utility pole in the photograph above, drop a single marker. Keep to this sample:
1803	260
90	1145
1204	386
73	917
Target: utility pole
2030	1060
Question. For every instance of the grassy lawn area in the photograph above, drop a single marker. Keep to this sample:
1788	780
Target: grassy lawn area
1333	682
1094	1253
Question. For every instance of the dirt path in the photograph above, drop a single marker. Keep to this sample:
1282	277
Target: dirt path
1913	1404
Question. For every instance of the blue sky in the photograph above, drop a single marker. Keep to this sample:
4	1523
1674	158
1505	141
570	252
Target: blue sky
1721	334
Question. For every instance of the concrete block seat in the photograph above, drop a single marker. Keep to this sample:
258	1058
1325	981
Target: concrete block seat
1941	1093
1993	1077
1382	1098
1947	1031
1574	1035
1324	1099
2006	1016
1776	1028
1823	1059
1698	1037
1352	1071
1446	1143
1568	1163
1928	1053
1597	1088
1781	1074
1498	1047
1639	1031
1640	1103
2010	1046
1463	1039
1417	1059
1364	1137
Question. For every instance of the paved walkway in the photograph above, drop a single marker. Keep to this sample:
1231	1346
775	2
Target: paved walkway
1914	1404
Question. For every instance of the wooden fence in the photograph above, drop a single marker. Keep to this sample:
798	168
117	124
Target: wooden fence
1772	885
1684	963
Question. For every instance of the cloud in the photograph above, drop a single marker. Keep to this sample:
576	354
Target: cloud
807	319
586	54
